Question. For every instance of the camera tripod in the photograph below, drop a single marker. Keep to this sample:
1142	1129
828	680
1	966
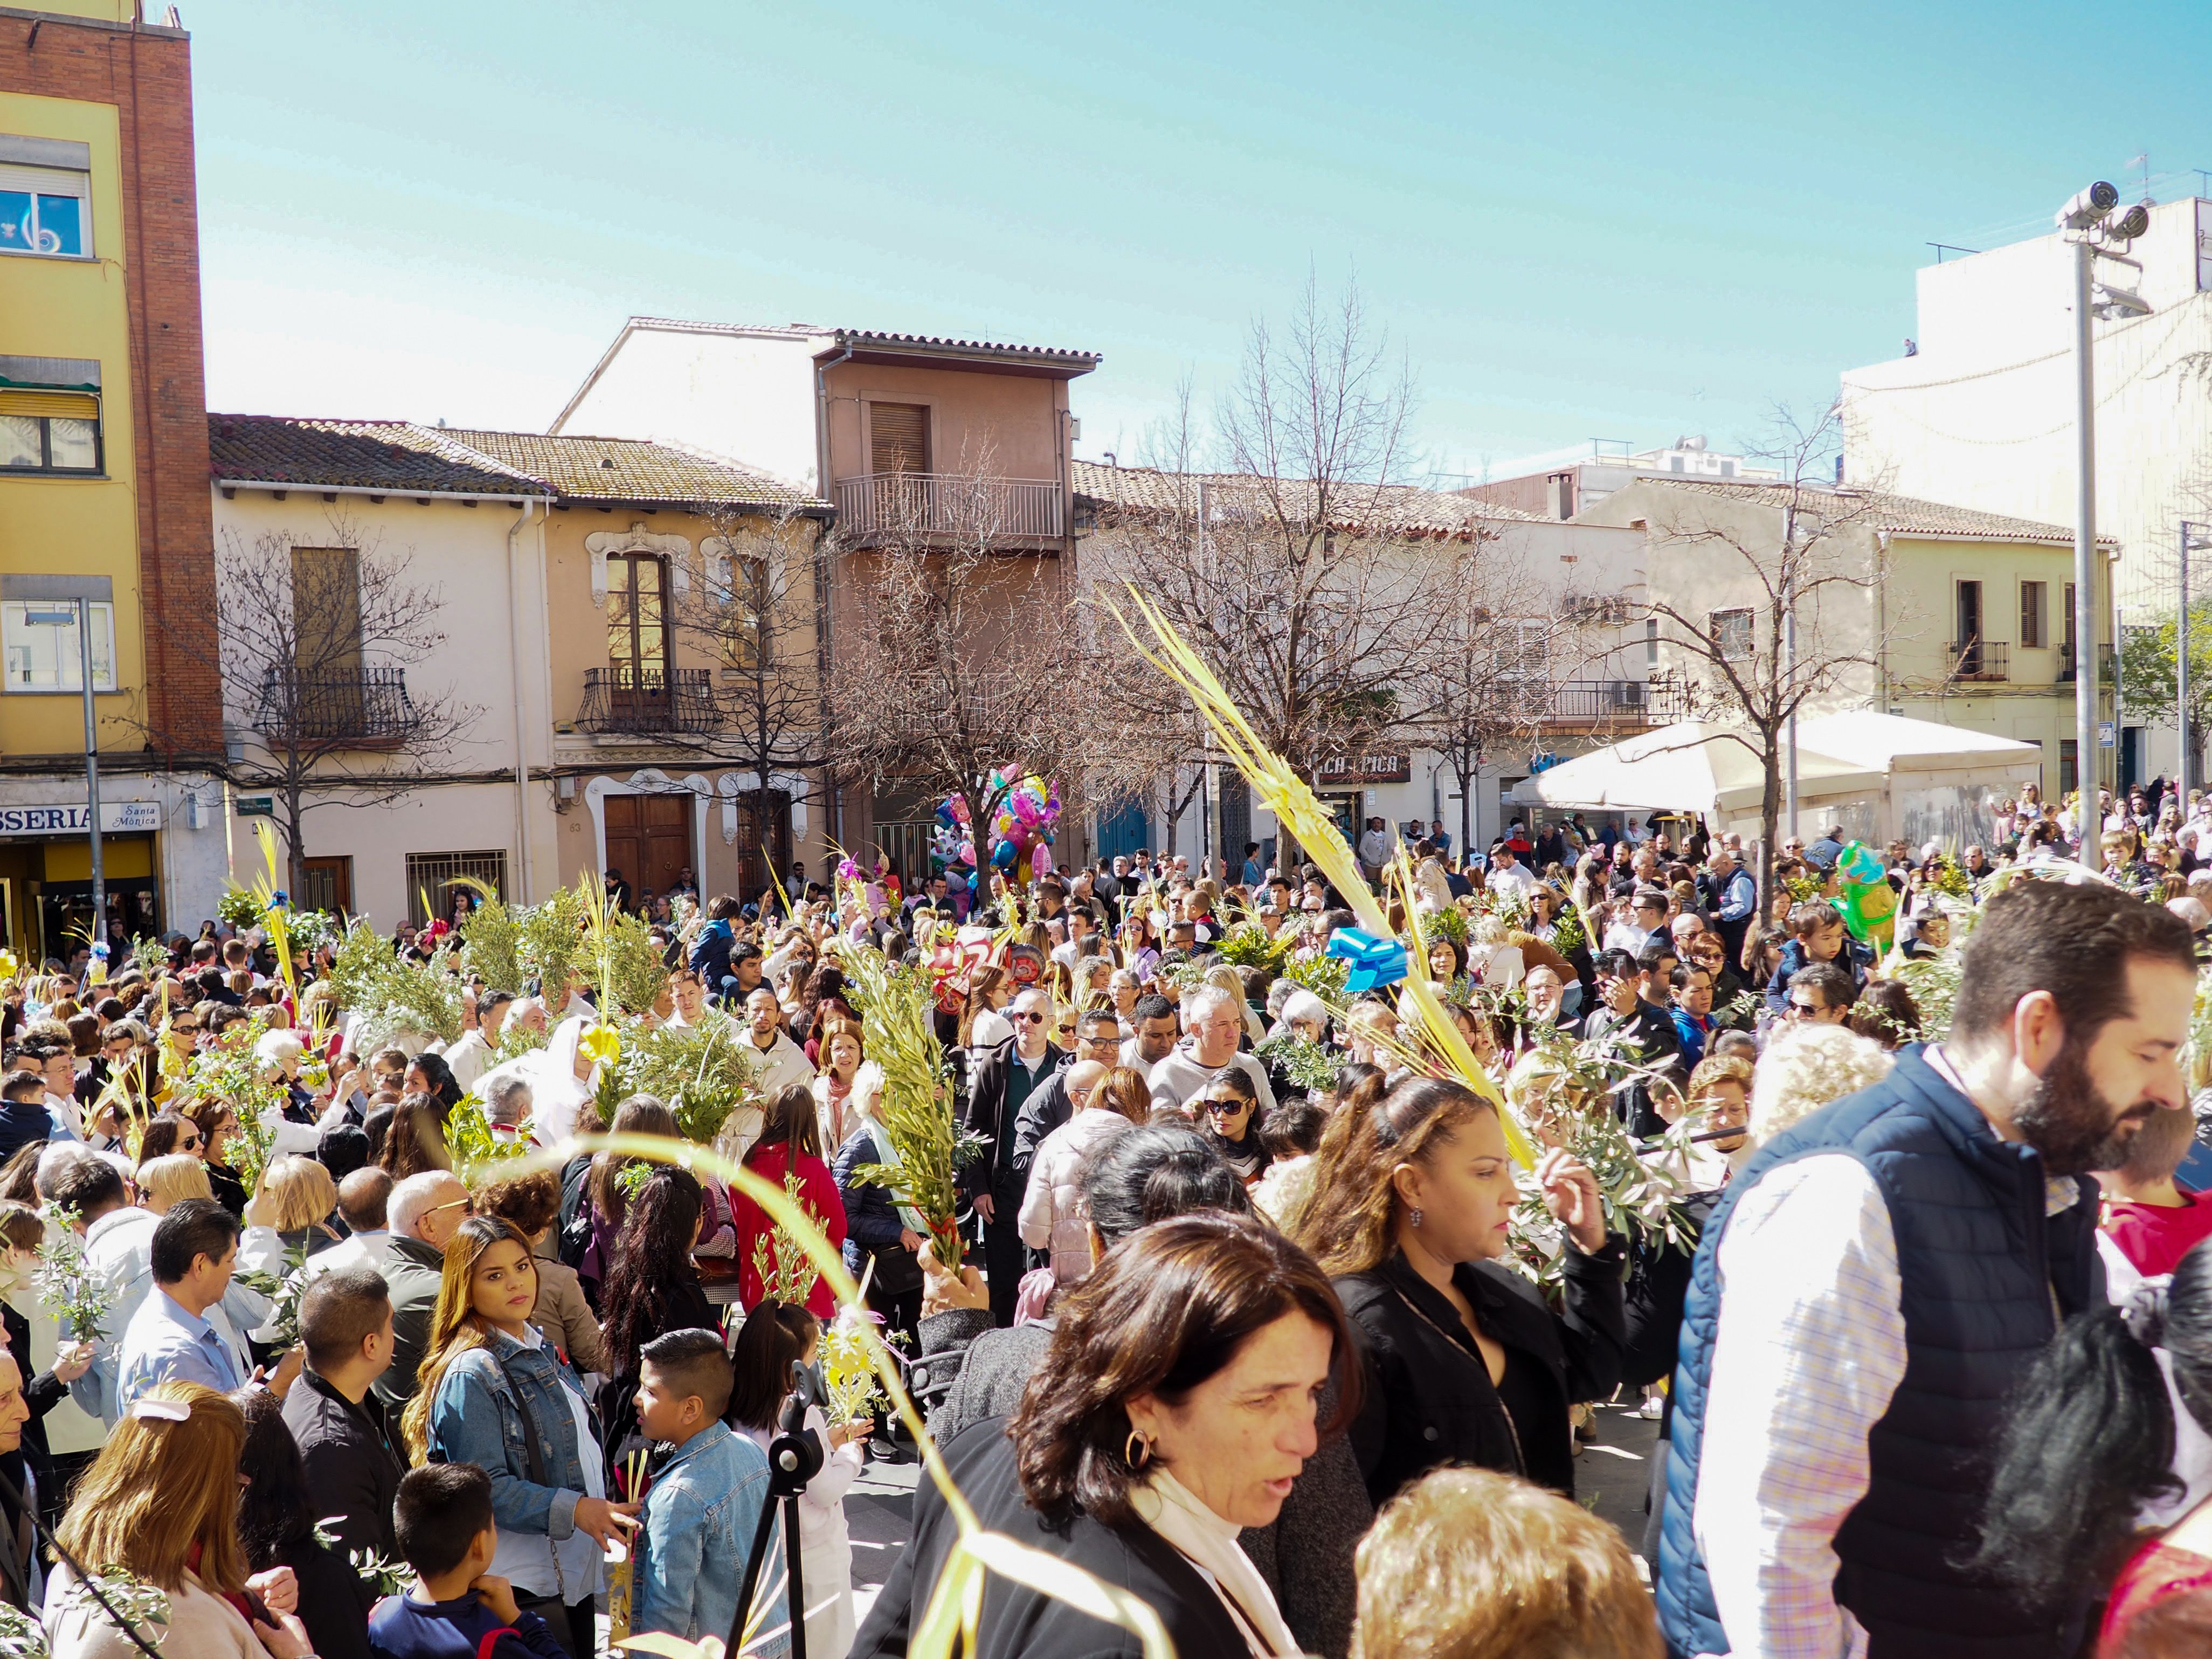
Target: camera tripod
794	1457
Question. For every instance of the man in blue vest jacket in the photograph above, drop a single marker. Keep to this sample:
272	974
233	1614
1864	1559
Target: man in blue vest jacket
1879	1276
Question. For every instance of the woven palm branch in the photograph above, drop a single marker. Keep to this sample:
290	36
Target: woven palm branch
1294	803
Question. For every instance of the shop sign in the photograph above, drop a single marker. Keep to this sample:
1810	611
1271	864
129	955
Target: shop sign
253	806
75	819
1344	772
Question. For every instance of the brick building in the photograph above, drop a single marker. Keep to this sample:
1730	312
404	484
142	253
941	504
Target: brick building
103	479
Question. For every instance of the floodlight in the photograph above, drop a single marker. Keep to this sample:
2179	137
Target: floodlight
2088	206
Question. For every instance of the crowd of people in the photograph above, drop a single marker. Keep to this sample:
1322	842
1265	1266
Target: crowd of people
1264	1309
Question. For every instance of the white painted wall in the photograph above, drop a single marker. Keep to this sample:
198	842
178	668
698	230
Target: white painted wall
494	639
747	394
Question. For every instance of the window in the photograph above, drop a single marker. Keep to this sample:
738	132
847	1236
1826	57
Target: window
327	613
898	438
45	190
2066	627
39	638
1730	631
637	619
1970	613
2034	600
751	595
2067	765
433	878
49	431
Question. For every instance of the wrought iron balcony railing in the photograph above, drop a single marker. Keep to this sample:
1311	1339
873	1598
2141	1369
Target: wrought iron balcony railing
950	504
626	699
1979	659
368	705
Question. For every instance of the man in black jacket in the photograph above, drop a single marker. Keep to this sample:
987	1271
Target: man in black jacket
345	1321
1098	1036
1002	1084
423	1213
1642	1031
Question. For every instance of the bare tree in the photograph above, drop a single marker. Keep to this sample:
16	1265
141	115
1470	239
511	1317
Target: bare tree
760	619
1489	680
315	645
1795	626
959	657
1304	573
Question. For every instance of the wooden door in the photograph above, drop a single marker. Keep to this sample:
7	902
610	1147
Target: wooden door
327	885
648	840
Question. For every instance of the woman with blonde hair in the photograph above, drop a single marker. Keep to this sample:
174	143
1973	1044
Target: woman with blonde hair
170	1179
1805	1068
493	1392
1052	1217
161	1499
847	1071
1483	1566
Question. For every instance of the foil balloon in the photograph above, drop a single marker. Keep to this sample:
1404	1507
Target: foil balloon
1867	901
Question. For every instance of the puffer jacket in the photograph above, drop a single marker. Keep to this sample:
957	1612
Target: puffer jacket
1052	1214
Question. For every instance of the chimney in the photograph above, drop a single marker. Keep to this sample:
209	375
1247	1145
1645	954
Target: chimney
1560	495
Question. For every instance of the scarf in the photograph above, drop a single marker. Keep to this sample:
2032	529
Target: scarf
1209	1543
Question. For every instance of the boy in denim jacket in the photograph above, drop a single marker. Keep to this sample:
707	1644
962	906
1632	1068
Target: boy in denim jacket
705	1503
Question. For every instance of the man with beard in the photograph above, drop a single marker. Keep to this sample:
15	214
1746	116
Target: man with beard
1879	1276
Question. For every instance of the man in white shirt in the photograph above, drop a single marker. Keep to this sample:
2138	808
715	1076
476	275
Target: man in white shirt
1507	874
1156	1029
469	1059
1375	848
363	1196
1213	1021
778	1061
1814	1518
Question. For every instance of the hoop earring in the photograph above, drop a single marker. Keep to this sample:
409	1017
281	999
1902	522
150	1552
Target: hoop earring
1415	1218
1136	1449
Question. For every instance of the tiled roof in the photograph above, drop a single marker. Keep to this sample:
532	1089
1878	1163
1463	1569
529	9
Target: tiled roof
1898	515
404	458
869	336
1400	507
629	470
862	336
398	456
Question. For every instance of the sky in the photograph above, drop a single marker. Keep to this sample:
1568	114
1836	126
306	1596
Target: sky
1590	221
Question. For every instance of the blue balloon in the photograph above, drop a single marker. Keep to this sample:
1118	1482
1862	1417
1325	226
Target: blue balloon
1003	855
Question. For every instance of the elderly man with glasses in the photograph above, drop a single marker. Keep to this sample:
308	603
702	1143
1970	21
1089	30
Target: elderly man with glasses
423	1213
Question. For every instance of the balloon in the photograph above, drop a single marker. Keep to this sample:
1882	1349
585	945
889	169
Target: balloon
1868	902
1003	855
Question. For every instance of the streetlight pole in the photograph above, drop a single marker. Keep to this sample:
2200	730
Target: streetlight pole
2192	536
2093	230
99	935
2088	821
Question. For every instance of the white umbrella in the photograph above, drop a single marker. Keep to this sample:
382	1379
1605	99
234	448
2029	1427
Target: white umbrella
1692	766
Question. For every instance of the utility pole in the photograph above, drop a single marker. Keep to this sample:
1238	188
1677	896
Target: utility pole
92	776
2088	821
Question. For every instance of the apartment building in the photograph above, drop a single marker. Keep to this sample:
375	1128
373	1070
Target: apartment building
546	656
103	512
900	431
1936	612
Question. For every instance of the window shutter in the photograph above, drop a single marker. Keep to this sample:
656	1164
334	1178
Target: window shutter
898	438
63	405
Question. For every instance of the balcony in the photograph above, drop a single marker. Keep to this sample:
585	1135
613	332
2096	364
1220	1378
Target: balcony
952	505
363	708
631	701
1978	659
2066	675
1656	702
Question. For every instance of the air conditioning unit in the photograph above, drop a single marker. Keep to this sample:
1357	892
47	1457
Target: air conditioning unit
1628	694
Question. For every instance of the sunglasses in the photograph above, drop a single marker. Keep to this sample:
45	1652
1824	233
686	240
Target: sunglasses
1223	1108
1028	1019
1804	1010
184	1029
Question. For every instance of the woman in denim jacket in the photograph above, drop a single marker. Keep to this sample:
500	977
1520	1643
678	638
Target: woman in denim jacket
491	1387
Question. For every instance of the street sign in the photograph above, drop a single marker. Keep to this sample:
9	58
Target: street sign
2104	734
253	806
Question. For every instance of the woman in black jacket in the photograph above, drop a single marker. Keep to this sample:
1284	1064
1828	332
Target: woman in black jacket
1465	1361
1175	1405
276	1527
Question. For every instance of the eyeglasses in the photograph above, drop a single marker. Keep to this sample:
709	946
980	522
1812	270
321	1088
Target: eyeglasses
1804	1010
468	1205
183	1028
1027	1019
1223	1108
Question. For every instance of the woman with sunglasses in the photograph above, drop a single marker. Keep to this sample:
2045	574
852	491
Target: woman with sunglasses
1231	1124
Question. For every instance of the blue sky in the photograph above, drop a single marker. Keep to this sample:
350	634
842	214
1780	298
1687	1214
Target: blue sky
1588	221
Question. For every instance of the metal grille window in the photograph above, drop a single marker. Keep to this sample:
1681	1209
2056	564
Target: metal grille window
433	878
